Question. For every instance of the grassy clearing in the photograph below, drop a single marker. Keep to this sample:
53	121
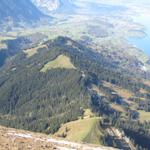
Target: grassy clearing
3	46
144	116
146	82
3	38
143	91
82	130
126	94
88	113
98	90
117	108
61	61
33	51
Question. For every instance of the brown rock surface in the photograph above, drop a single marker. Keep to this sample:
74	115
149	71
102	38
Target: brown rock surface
13	139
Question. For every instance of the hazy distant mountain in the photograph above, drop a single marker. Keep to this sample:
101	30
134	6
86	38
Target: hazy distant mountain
18	11
49	6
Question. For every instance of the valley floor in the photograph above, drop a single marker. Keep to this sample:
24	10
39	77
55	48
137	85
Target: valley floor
12	139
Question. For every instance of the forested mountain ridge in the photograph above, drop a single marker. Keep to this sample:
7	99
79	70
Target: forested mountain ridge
43	87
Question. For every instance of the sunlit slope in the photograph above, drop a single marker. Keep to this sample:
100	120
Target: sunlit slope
61	61
86	129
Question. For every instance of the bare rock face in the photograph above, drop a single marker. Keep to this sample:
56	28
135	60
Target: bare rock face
12	139
49	6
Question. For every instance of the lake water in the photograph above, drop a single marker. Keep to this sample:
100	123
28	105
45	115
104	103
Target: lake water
142	43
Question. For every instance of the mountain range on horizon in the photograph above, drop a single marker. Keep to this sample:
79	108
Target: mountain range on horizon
31	12
23	10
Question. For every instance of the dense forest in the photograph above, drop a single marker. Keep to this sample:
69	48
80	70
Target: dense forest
42	101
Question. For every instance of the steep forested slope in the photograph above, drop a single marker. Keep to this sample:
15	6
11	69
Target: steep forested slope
51	84
18	44
42	100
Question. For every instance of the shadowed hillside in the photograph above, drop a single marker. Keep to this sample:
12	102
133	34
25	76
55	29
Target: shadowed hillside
19	13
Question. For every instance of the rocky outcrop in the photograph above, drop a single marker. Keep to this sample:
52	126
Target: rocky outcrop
12	139
60	6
